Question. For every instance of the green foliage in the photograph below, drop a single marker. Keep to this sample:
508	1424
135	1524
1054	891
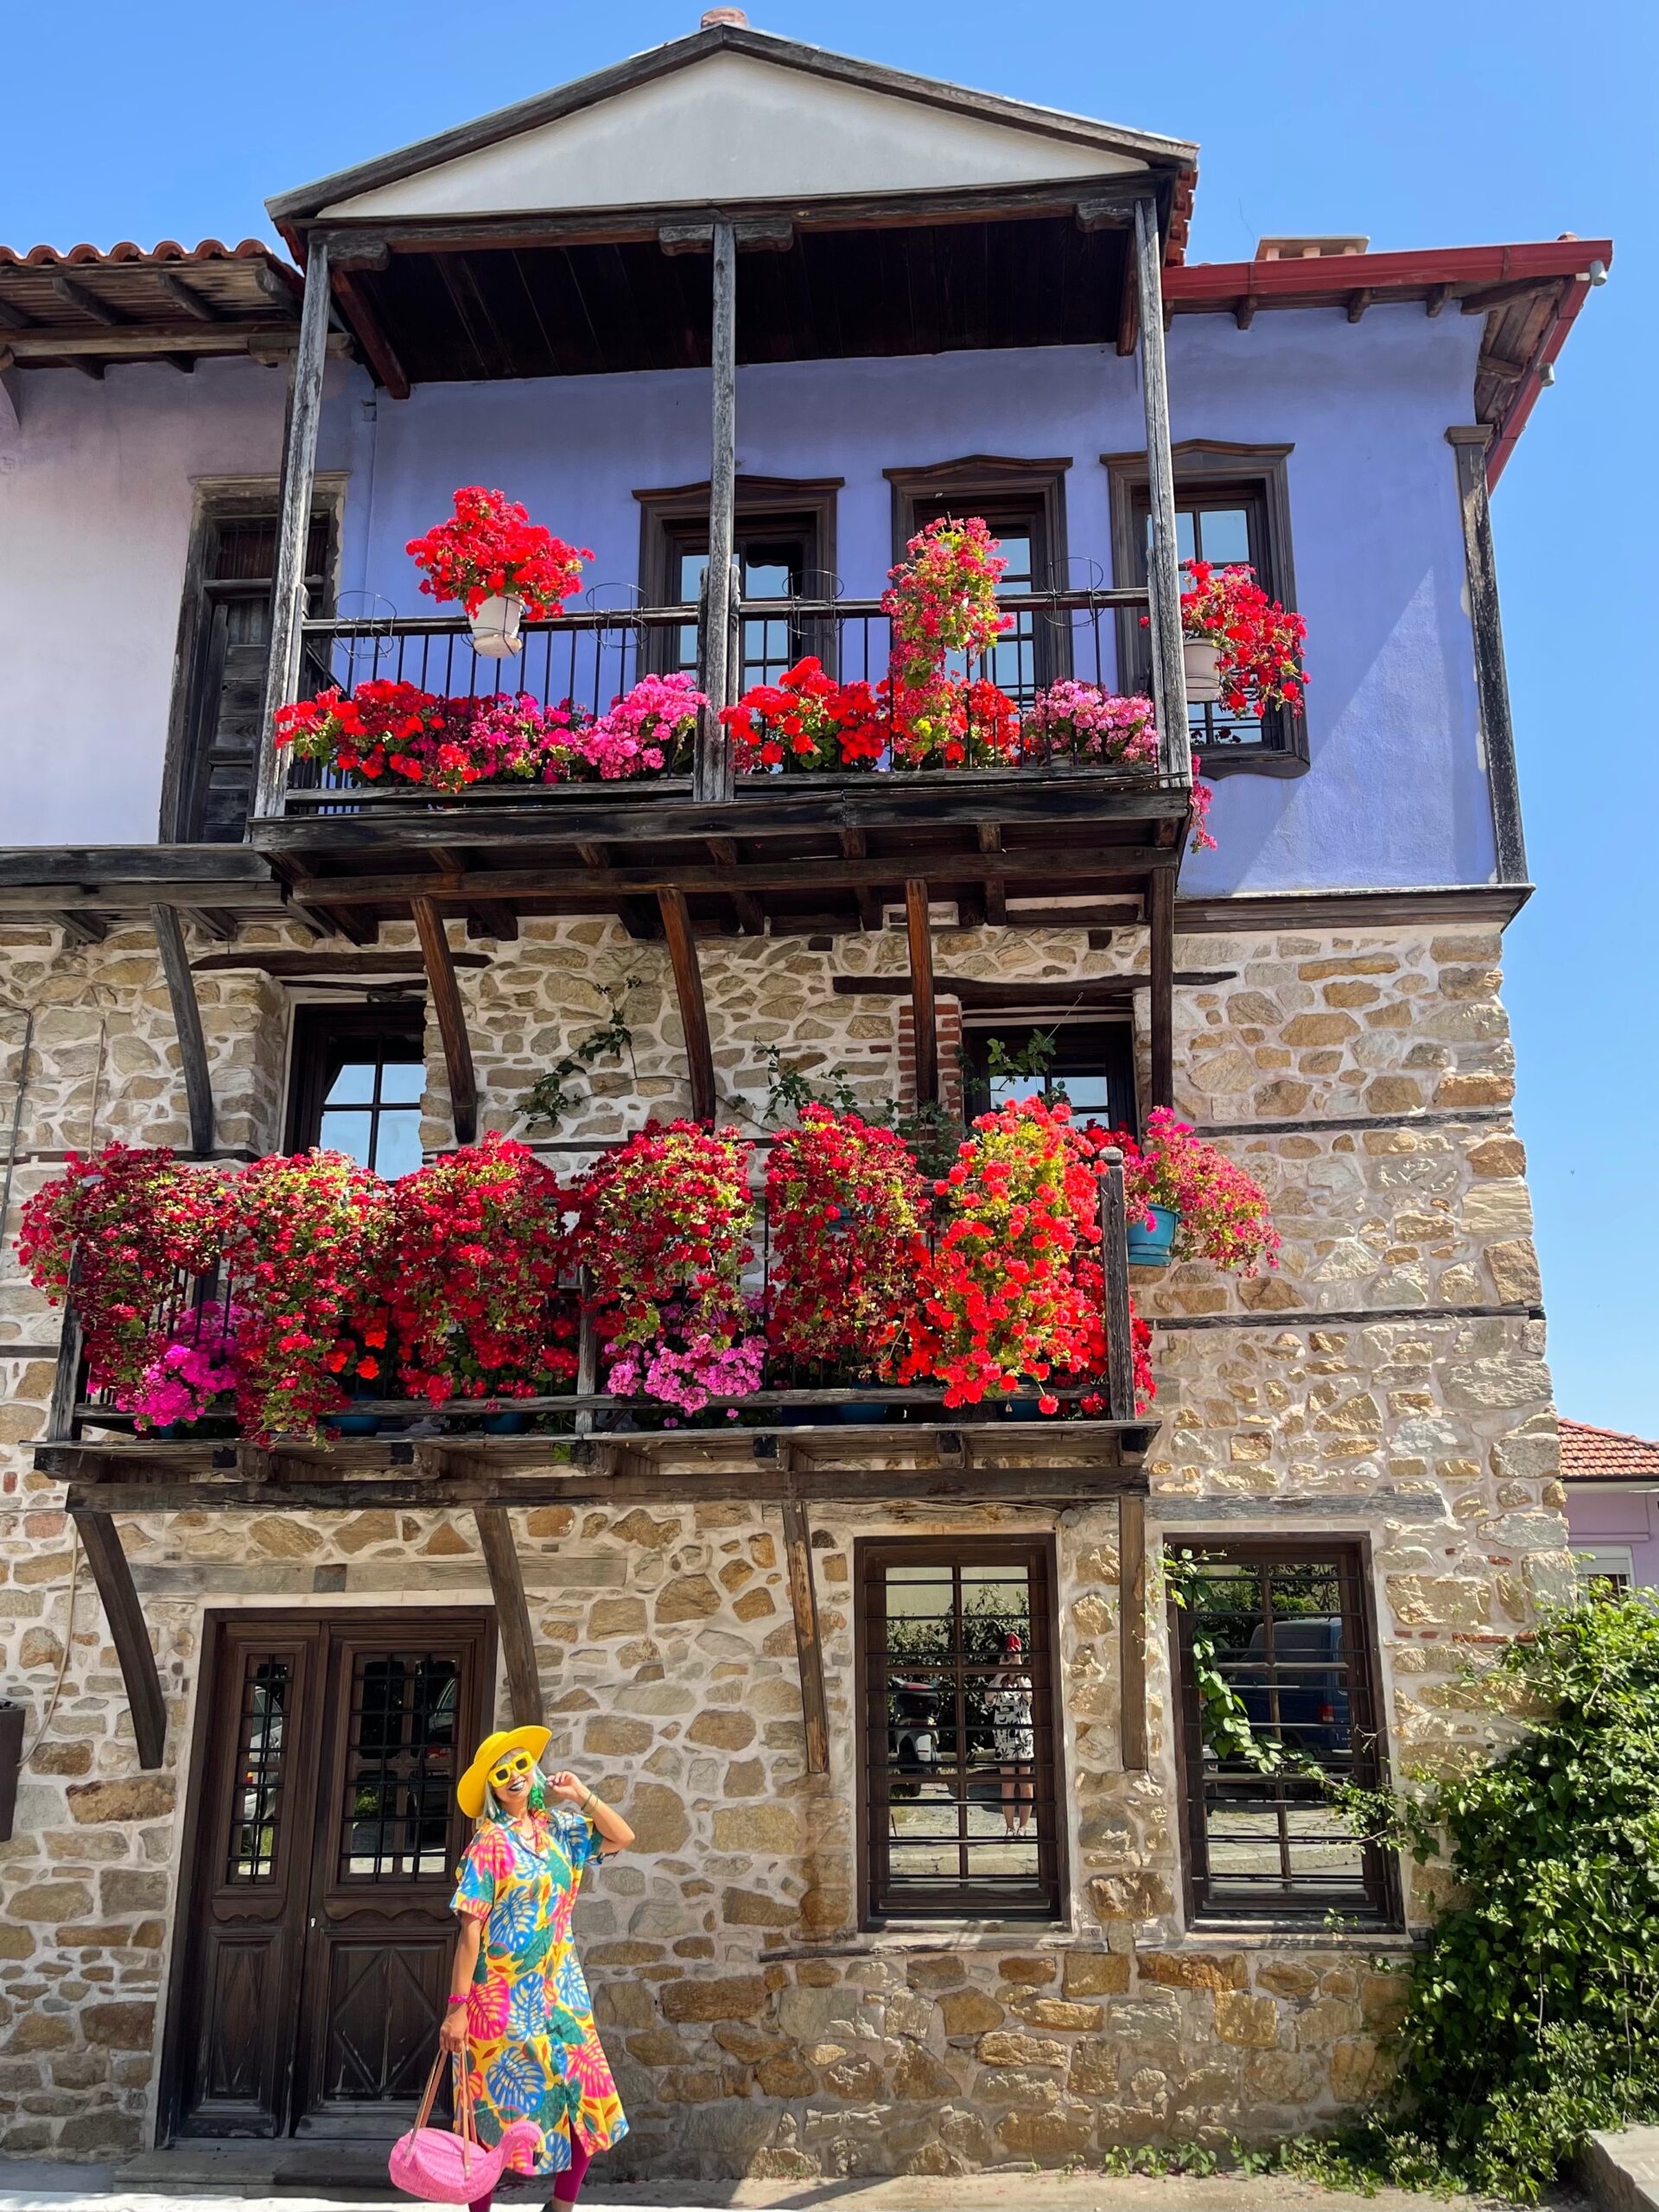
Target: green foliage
1030	1063
789	1088
1224	1720
1533	2012
552	1098
933	1132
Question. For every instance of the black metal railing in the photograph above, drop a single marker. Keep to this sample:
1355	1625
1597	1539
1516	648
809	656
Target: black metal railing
199	1311
587	659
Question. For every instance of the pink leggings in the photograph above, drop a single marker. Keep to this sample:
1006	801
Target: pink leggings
566	2186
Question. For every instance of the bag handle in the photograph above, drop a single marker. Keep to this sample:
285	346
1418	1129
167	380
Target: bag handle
466	2126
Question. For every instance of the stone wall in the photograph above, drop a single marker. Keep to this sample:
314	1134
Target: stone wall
1388	1383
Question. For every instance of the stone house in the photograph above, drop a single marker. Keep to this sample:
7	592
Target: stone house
842	1946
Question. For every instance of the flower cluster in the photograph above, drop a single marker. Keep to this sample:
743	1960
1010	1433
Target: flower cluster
383	728
688	1362
1005	1300
1259	643
196	1365
488	547
306	1253
114	1232
953	721
941	599
647	731
663	1221
1224	1214
477	1244
1083	722
806	719
848	1210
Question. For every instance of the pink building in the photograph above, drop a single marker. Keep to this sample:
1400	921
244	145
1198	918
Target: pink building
1613	1503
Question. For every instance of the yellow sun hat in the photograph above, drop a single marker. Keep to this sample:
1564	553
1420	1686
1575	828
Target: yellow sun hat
472	1789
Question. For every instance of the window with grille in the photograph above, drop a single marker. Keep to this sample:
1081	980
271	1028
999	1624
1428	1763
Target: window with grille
1277	1686
960	1773
356	1076
400	1768
775	560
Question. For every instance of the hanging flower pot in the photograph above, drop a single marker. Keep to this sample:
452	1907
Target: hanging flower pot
495	624
1152	1242
1202	661
865	1409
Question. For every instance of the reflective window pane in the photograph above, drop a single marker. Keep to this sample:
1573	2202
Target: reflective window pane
402	1083
398	1145
353	1085
350	1133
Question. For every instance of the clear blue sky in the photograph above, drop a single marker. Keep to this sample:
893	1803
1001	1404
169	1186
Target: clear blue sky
1423	123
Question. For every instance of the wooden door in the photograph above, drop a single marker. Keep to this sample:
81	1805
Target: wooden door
317	1932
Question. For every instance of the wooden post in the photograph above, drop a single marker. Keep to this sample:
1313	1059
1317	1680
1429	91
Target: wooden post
452	1018
694	1014
713	777
101	1540
804	1601
512	1614
1161	919
294	523
924	1018
587	1353
1163	565
1491	678
1132	1631
1114	1264
187	1020
61	1428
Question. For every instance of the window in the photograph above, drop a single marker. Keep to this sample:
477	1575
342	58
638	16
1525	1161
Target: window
1232	503
1274	1644
357	1074
785	545
1092	1062
224	645
960	1774
1024	504
1605	1570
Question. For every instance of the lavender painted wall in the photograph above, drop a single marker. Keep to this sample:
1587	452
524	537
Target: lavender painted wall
1612	1514
1396	795
98	489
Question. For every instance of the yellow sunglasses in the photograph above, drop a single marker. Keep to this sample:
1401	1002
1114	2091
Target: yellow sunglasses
520	1763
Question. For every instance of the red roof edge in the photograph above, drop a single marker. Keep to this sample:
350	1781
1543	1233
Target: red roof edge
1605	1455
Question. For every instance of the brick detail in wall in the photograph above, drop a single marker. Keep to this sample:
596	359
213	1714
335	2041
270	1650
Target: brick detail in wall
947	1028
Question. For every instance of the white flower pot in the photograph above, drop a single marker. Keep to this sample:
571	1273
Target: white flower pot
495	627
1199	658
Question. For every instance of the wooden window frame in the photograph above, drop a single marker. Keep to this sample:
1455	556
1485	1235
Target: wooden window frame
1382	1869
978	1028
870	1554
977	480
759	499
314	1024
1210	466
218	500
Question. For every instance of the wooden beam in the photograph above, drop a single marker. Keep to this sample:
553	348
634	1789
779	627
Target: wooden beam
1438	295
808	1644
1244	313
101	1541
88	303
90	349
1132	1632
452	1018
997	894
82	929
512	1615
302	966
183	295
713	772
923	1016
1491	678
12	317
1163	561
213	921
854	846
1358	301
187	1020
751	915
491	918
694	1014
1161	918
367	327
1115	1267
294	522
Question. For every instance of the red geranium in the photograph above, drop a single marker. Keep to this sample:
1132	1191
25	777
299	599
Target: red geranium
1225	1217
381	727
941	598
806	719
664	1219
847	1209
1260	641
490	547
477	1244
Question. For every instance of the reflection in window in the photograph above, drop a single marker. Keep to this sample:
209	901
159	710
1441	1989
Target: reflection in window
960	1782
400	1767
1089	1063
773	563
255	1783
359	1074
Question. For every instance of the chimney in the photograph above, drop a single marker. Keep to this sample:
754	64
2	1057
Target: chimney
1307	249
712	18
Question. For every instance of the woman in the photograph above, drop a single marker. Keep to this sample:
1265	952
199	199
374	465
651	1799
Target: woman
1008	1700
516	1994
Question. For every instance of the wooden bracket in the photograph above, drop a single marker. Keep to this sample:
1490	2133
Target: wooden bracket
1115	1265
452	1018
101	1541
809	1646
512	1614
923	1016
954	1450
186	1019
694	1014
1132	1631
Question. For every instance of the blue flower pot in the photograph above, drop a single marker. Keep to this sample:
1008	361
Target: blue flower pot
1022	1409
505	1424
356	1424
1151	1248
871	1410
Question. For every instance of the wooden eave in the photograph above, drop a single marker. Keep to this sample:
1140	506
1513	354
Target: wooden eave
87	309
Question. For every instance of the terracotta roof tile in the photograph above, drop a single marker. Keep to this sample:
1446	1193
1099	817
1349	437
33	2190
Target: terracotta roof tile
1606	1455
91	256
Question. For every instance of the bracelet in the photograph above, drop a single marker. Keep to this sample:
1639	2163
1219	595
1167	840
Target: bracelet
453	2002
590	1799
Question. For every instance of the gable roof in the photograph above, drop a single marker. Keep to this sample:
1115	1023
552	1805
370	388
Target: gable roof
1606	1455
729	115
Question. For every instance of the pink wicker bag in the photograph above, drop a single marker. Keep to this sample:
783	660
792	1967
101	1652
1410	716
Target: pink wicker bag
456	2168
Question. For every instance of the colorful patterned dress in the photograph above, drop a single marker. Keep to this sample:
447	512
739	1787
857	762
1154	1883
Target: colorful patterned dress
534	2052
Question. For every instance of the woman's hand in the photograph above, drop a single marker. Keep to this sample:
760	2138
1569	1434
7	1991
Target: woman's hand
452	2036
567	1788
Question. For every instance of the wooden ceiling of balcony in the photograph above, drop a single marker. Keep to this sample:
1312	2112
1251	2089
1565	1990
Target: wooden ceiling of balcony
584	307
